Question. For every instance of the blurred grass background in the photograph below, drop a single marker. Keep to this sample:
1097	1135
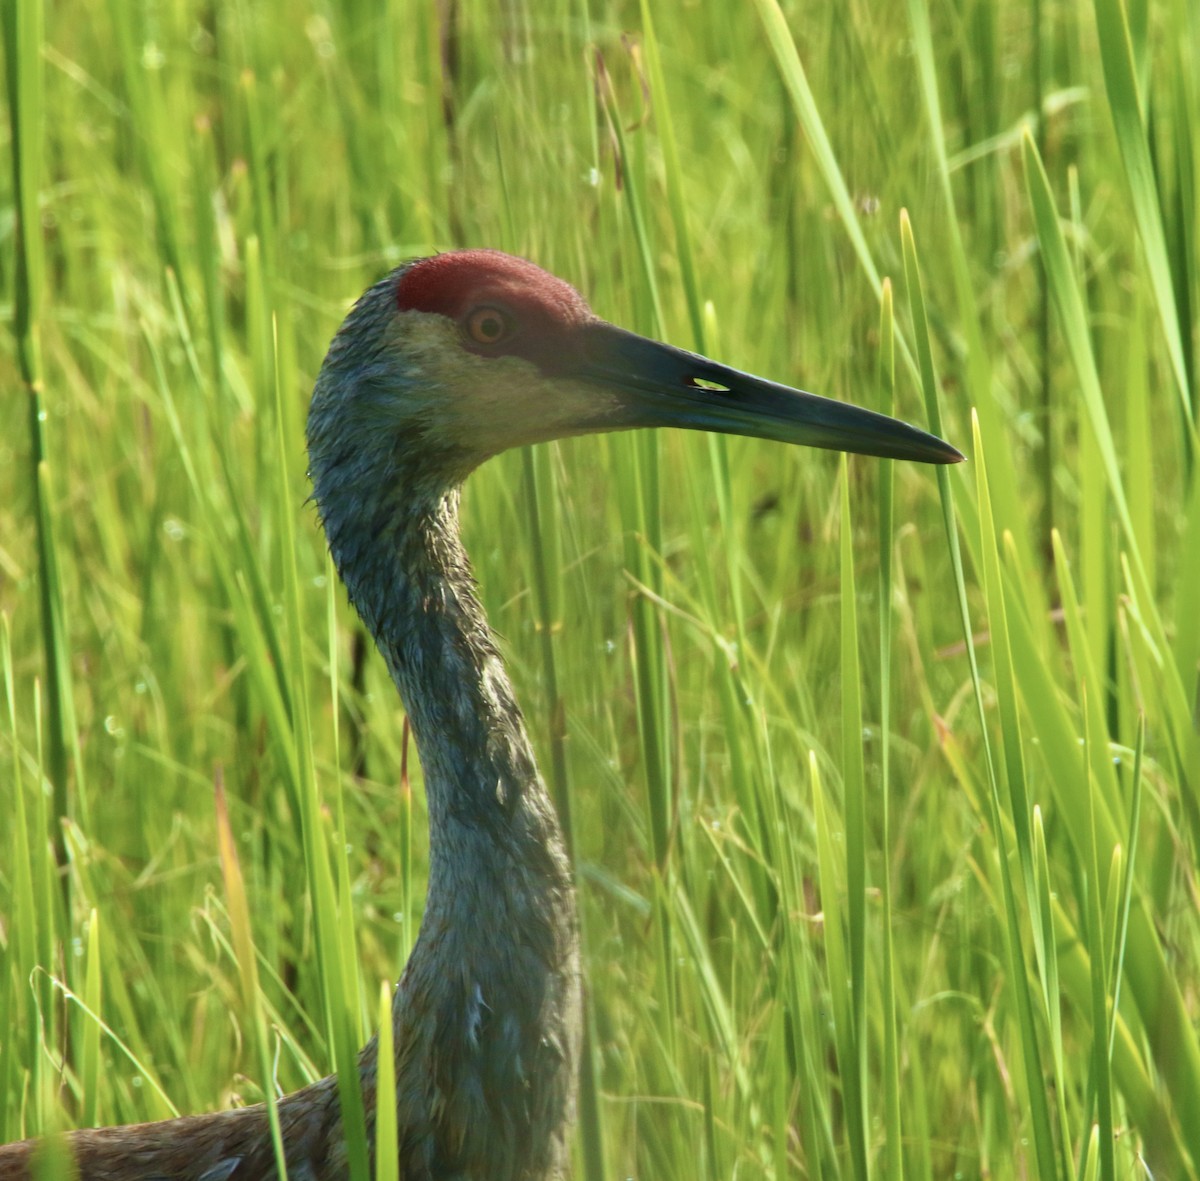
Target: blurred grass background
882	784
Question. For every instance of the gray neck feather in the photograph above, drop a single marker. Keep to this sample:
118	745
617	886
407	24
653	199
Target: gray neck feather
486	1012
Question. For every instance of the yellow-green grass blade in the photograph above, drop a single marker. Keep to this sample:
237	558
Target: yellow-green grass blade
1127	109
339	977
978	368
23	984
1093	927
832	883
1046	947
893	1157
1067	300
854	804
89	1052
1023	899
387	1163
1030	1052
243	944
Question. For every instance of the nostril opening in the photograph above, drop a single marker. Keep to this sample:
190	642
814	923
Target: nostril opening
700	383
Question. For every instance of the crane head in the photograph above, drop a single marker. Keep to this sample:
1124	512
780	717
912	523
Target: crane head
465	354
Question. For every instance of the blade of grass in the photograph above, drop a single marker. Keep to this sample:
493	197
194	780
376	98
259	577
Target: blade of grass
1047	952
893	1160
22	956
1018	818
999	453
855	805
1065	291
339	978
837	964
1126	108
1101	1040
89	1051
387	1139
243	942
24	33
641	513
1039	1114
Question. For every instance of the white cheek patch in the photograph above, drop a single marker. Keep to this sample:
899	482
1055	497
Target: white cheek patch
486	405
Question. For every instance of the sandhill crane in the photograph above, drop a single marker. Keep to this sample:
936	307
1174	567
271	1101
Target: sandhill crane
441	365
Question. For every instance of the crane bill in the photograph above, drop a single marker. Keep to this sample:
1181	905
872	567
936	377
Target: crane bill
661	385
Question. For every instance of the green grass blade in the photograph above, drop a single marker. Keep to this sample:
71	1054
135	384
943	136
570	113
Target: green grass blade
89	1051
24	32
332	940
999	455
675	180
893	1157
1101	1065
1018	818
387	1163
243	942
28	919
1042	1138
795	78
1127	883
837	961
1127	111
1053	1001
1065	291
855	806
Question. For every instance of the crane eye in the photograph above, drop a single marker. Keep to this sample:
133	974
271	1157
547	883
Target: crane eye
488	325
